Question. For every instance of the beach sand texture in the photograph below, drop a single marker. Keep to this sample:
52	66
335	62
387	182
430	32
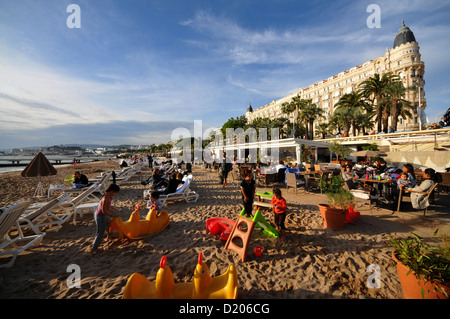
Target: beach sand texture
309	262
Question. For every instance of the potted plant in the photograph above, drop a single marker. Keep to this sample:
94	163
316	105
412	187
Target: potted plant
339	199
423	269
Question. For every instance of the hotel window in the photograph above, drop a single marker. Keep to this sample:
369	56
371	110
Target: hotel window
399	62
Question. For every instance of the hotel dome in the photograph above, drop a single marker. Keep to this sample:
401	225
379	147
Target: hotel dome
404	35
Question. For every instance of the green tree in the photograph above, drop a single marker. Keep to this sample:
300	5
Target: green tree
234	123
339	149
309	112
323	129
292	108
395	104
373	90
352	106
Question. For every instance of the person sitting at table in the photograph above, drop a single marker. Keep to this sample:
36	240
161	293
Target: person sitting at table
351	178
279	166
420	200
409	169
380	167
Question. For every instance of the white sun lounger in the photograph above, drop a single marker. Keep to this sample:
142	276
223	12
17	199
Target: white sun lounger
12	247
44	215
183	192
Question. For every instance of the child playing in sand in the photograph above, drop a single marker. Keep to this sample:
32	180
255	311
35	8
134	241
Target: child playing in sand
156	202
278	208
102	214
248	188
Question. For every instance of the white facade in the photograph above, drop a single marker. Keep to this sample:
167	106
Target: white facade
403	60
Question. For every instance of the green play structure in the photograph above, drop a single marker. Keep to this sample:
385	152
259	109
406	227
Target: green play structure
259	220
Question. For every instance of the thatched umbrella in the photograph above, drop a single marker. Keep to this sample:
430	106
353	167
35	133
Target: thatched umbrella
39	166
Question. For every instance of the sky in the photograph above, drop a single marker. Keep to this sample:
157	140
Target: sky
135	72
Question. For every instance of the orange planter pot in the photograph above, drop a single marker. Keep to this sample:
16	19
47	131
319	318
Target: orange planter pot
333	218
412	287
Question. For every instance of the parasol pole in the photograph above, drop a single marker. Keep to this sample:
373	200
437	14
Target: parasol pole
39	189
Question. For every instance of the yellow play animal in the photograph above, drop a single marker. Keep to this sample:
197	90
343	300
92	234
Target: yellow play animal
203	286
135	228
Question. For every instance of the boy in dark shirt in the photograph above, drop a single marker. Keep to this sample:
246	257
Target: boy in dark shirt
248	188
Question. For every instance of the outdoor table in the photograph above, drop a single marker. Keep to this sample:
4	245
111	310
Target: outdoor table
386	186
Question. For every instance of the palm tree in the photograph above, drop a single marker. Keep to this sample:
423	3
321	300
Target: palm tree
356	103
323	129
395	104
364	122
309	112
373	90
292	107
344	118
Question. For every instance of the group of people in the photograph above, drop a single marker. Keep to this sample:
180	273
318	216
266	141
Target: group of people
248	189
406	182
279	206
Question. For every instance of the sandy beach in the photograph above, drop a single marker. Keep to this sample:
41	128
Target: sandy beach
310	262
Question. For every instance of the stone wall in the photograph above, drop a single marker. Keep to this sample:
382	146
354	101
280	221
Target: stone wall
437	160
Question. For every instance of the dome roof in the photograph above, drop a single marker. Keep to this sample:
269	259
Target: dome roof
404	35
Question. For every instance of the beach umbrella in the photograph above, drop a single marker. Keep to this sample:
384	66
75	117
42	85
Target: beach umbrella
39	166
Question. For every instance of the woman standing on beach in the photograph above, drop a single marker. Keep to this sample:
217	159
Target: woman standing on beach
102	213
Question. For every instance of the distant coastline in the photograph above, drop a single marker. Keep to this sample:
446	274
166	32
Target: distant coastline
6	164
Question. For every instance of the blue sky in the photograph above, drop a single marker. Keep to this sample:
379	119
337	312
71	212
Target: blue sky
137	70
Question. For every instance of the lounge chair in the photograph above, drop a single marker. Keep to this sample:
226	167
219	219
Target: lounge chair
13	246
43	216
70	207
182	192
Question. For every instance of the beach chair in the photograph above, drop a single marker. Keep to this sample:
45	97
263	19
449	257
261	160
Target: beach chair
14	246
126	175
183	192
72	207
41	216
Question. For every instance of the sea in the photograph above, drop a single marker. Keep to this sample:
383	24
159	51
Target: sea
6	164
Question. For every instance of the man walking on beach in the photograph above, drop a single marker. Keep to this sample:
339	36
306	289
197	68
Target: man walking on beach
150	161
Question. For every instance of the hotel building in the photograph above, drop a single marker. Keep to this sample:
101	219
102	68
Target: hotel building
404	59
